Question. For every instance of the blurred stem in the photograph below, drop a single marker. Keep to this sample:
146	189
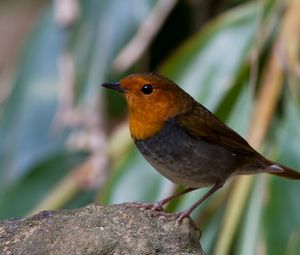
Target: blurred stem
119	142
251	224
118	148
268	96
62	192
144	36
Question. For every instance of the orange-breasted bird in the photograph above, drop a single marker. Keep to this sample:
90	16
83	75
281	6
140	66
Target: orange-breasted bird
184	141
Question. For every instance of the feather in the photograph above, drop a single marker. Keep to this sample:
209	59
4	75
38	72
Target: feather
201	123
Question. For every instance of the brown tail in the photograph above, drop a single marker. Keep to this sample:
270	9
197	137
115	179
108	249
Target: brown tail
283	171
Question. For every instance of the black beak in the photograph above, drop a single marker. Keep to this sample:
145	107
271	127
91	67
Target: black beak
115	85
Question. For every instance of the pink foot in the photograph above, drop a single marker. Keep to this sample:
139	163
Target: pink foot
179	216
156	210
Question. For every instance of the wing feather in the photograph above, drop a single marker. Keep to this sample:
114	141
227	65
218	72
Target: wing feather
201	123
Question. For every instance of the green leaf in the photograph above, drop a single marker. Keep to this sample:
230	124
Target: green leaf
20	197
281	214
207	64
248	239
135	180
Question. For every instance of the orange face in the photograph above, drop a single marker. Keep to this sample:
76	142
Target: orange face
152	100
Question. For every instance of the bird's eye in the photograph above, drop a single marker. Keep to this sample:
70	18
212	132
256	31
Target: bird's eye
147	89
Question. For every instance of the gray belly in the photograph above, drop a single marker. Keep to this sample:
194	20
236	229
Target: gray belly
187	160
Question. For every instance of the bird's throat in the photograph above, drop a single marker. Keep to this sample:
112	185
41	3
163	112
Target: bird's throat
142	130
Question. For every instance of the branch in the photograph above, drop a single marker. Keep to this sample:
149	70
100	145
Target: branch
97	229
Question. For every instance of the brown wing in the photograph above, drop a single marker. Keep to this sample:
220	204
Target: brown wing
201	123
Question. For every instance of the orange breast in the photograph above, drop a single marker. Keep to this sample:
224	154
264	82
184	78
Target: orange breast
141	130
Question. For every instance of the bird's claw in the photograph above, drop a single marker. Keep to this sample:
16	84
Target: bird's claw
179	216
152	207
156	210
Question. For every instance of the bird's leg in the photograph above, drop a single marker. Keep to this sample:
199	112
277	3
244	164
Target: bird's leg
158	206
187	212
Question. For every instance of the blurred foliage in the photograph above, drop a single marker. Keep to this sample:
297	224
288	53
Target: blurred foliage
63	139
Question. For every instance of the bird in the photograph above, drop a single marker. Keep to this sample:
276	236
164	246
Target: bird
184	141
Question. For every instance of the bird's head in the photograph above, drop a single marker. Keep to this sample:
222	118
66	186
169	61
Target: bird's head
152	99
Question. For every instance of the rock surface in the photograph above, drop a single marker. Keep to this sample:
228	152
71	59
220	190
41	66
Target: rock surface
97	229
